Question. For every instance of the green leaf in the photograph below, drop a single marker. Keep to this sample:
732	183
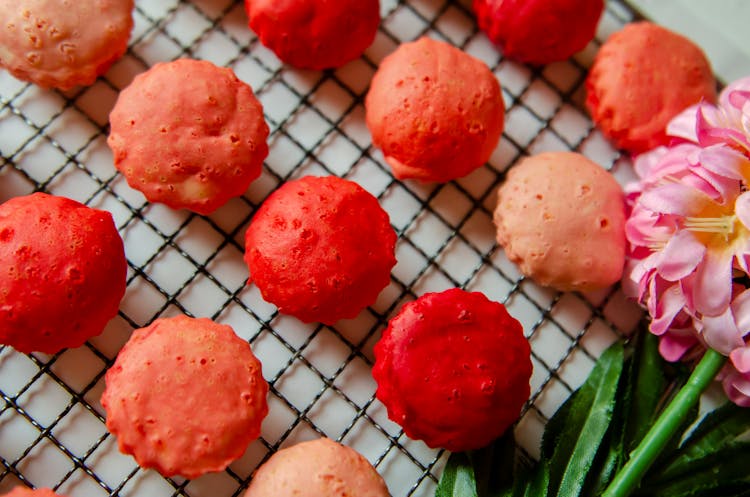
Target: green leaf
585	421
720	473
557	423
724	423
640	390
533	483
539	485
718	429
494	466
607	461
458	478
643	390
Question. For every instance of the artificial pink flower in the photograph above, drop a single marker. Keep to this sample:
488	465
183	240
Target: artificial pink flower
689	234
691	224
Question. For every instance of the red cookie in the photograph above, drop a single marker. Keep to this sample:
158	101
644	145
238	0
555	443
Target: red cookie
61	44
188	134
185	396
453	369
436	112
642	77
321	249
315	34
63	272
28	492
539	31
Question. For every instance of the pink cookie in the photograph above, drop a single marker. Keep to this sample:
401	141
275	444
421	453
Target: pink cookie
561	218
61	44
188	134
318	468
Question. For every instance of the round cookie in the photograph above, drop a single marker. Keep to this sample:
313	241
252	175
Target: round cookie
453	369
62	275
317	468
436	112
63	43
320	248
188	134
642	77
539	31
185	396
28	492
561	218
315	34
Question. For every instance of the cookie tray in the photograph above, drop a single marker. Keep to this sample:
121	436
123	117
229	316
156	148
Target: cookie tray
51	422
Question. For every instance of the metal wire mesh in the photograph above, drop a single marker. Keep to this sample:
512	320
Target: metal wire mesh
51	422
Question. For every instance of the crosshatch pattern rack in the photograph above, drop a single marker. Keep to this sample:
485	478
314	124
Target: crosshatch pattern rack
51	422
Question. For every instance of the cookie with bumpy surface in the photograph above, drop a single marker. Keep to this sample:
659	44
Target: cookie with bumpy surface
642	77
453	369
315	34
62	272
63	43
185	396
320	248
188	134
317	468
435	112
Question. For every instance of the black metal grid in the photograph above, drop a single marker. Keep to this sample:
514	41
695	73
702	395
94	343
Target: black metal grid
51	422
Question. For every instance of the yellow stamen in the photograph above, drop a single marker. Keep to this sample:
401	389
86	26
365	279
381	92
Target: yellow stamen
723	225
655	244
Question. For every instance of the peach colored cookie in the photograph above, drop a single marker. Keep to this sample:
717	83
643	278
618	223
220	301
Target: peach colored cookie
315	34
561	218
318	468
642	77
188	134
185	396
28	492
453	369
62	43
436	112
321	249
63	272
539	31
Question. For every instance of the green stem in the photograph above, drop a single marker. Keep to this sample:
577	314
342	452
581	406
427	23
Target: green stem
667	424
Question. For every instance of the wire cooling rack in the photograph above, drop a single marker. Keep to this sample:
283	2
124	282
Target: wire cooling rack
51	422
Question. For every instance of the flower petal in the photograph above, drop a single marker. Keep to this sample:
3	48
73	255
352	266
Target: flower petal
742	209
725	161
713	285
741	311
672	346
741	359
737	95
737	388
680	256
670	303
683	124
721	333
675	198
